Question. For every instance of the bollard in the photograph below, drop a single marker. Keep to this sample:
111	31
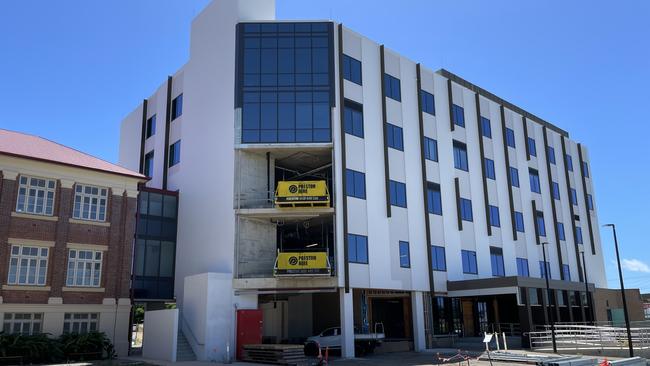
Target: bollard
505	344
496	339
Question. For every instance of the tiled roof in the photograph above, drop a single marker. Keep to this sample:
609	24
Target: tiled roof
33	147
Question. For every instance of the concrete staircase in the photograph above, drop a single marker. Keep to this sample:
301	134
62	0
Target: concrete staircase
184	351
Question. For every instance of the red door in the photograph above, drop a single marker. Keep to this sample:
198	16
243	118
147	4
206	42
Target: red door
249	329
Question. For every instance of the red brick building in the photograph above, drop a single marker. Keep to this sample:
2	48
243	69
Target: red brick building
67	223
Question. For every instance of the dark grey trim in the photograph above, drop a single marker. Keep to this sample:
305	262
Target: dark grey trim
143	135
239	69
458	216
384	121
528	313
533	206
344	208
584	193
545	306
451	103
477	89
168	117
507	162
550	191
479	129
572	218
518	281
427	224
525	125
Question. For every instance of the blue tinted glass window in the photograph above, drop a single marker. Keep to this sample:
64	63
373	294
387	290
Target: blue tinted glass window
428	102
579	235
352	69
494	216
519	222
567	272
155	245
496	259
590	202
430	149
510	137
556	190
544	268
469	261
151	126
534	181
466	210
438	259
514	177
460	156
489	169
148	164
532	149
355	184
175	153
569	162
394	137
458	115
574	197
357	249
177	107
404	255
353	118
434	199
397	193
551	154
541	226
560	231
392	87
522	267
283	84
585	169
486	128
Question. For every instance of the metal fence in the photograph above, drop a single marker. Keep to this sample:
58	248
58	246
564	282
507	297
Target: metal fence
510	329
583	337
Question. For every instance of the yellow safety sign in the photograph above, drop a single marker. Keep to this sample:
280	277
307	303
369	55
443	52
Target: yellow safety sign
302	193
302	263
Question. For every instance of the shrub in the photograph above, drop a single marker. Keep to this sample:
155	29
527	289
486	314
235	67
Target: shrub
39	348
91	342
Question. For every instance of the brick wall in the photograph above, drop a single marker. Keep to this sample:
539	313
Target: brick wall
118	237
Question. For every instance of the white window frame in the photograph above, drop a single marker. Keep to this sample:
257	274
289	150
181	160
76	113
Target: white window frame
35	192
86	271
90	202
28	260
80	323
27	323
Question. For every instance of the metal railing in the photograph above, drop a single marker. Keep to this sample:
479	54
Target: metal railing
582	337
255	199
510	329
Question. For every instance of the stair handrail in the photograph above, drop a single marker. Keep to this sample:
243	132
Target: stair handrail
194	338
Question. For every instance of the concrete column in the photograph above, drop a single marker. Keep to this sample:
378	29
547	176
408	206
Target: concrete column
417	308
347	323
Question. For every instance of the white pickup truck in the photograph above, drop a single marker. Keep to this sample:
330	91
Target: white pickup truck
363	342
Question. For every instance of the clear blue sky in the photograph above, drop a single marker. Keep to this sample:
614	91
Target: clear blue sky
72	69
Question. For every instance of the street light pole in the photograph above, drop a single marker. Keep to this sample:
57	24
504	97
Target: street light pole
548	293
620	276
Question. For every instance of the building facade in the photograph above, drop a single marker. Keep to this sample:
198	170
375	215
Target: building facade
609	306
446	204
67	221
